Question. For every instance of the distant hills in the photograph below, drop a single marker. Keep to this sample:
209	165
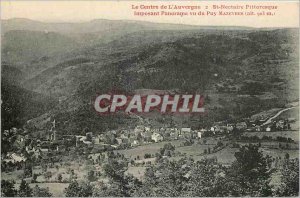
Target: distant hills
30	46
99	26
240	71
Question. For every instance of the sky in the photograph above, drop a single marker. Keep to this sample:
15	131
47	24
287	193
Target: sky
287	14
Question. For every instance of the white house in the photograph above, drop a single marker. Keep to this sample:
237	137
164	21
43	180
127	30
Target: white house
119	140
203	130
157	137
13	157
186	130
199	134
135	143
230	127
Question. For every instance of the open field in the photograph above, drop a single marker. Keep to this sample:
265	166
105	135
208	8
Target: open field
154	148
193	150
137	171
57	189
224	156
149	148
54	187
280	152
14	175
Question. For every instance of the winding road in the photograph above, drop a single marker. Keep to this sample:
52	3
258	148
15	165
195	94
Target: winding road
278	113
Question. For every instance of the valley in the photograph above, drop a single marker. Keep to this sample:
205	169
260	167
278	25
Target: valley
53	137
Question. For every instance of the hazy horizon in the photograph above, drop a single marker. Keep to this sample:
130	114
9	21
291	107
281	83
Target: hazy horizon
129	20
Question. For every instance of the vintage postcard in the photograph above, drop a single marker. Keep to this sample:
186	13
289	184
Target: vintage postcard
149	98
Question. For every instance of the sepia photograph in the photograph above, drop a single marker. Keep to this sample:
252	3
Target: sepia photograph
149	98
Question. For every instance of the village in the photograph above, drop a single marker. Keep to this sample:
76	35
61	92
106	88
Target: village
51	144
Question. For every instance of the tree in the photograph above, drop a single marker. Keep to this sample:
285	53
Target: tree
167	149
24	190
91	175
34	177
44	167
115	169
75	189
72	190
139	137
125	188
8	188
150	180
47	175
236	134
132	162
167	178
210	176
167	153
59	177
147	155
119	183
249	173
28	168
41	192
290	179
287	156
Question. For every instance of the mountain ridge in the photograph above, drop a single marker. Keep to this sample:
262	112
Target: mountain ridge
240	72
22	21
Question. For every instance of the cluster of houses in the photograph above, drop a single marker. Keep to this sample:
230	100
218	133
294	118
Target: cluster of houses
137	136
49	141
12	157
27	144
251	126
41	148
144	134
